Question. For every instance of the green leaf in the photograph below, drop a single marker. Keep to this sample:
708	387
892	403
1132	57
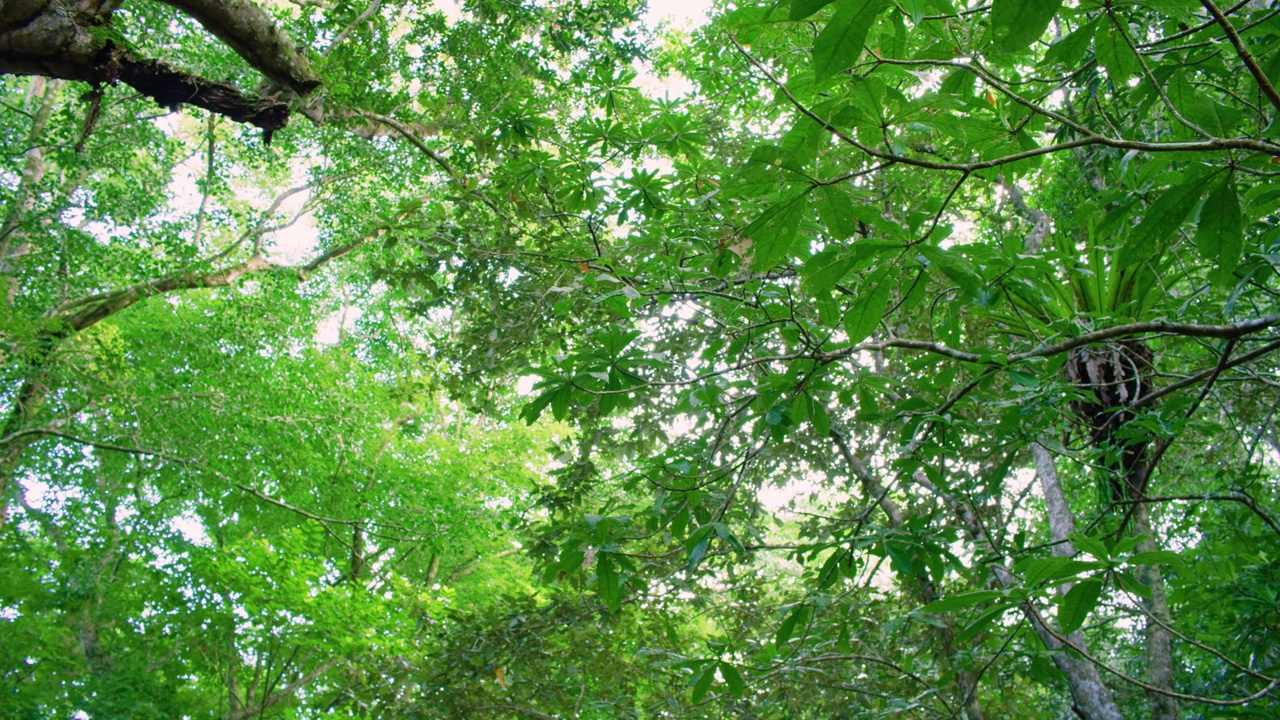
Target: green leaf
823	271
1075	606
733	679
1015	24
1219	235
609	583
703	684
831	569
1200	108
1090	545
1070	50
835	210
840	43
1037	570
698	551
698	545
818	416
801	9
1132	585
1157	557
725	534
917	9
960	271
864	316
962	600
1114	54
984	620
799	615
774	232
1160	224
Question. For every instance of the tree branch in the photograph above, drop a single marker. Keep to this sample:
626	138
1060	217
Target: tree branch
1245	56
285	693
1088	138
248	30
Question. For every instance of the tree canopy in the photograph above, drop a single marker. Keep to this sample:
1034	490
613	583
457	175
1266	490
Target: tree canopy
827	359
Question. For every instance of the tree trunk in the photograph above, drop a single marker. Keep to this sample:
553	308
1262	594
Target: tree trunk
1160	667
41	98
1091	698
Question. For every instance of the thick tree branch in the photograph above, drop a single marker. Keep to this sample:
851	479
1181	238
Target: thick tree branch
31	434
81	314
67	39
248	30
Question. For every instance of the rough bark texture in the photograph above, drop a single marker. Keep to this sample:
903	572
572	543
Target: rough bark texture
1091	698
71	39
249	31
1119	375
172	88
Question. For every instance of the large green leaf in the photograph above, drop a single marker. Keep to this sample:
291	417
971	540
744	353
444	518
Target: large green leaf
1196	105
1159	226
962	600
732	678
863	317
823	271
1037	570
1219	235
798	617
1075	606
840	43
702	683
801	9
1114	54
774	232
1015	24
1070	50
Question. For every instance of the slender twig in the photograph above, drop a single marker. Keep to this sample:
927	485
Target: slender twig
342	36
1151	78
1193	29
1238	496
1088	137
41	432
1197	377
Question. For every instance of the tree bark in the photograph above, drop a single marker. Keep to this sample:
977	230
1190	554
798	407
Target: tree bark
1091	698
248	30
1160	667
41	95
70	39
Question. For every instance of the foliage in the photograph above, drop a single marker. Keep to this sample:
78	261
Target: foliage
919	359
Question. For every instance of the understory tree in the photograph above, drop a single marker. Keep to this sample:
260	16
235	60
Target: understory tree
891	358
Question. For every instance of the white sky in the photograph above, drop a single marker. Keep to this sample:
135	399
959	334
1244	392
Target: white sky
682	14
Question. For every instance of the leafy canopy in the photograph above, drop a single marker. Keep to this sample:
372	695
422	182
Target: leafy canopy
918	359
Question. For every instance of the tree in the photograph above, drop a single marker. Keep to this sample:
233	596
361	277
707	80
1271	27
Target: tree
920	360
